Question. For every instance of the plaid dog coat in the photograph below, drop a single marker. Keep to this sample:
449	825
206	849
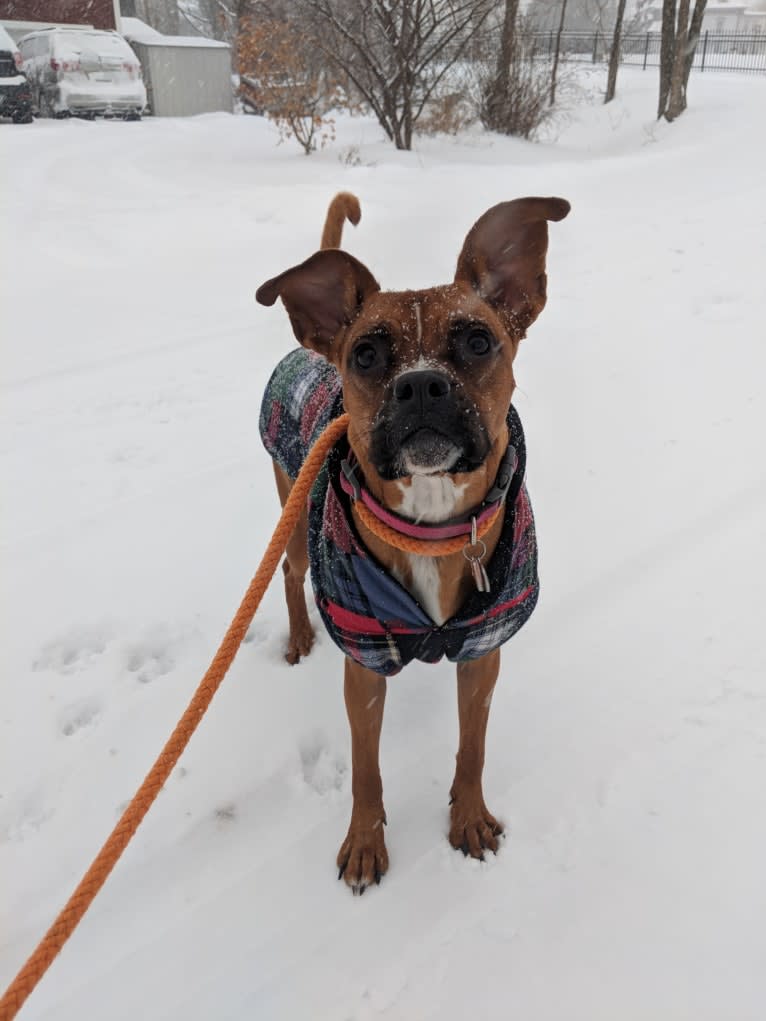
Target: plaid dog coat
367	613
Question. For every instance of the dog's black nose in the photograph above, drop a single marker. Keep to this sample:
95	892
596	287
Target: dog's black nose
421	388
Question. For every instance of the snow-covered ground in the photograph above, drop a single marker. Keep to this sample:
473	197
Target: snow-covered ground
627	743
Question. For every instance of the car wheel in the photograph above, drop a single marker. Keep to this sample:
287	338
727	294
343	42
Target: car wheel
23	117
134	115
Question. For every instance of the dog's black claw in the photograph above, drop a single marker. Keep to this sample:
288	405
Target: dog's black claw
342	869
464	848
378	877
362	888
481	856
452	799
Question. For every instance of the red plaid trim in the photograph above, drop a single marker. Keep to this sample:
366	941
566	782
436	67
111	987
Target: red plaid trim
358	624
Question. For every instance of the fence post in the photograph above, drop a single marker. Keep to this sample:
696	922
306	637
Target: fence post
704	51
550	43
646	50
595	47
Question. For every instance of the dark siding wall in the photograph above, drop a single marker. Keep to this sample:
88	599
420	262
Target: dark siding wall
99	13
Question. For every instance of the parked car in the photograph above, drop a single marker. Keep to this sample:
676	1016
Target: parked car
15	94
83	73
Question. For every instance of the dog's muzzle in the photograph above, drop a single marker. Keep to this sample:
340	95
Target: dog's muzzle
426	426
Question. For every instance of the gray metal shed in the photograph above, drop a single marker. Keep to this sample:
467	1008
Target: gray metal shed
184	75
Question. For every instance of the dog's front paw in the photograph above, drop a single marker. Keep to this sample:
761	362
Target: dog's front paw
473	828
300	643
363	858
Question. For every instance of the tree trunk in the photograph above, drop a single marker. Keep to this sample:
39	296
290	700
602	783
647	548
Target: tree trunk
695	30
557	51
677	99
407	135
614	56
667	51
501	84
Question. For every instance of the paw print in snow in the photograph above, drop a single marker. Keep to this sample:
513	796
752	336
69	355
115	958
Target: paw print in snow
150	660
322	770
70	654
79	714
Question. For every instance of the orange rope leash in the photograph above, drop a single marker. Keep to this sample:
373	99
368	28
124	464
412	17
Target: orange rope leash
425	547
69	916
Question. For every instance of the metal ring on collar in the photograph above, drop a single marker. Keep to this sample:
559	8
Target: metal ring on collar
473	545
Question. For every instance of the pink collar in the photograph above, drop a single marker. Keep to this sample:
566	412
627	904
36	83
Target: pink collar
445	529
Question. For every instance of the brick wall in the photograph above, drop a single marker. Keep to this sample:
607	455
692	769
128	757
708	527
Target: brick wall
99	13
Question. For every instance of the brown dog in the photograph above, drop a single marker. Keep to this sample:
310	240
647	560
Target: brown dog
427	380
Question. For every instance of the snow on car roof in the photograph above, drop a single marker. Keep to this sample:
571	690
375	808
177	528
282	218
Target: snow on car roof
74	41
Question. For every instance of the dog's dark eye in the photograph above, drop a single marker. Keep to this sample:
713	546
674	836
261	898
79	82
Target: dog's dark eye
473	345
365	356
478	342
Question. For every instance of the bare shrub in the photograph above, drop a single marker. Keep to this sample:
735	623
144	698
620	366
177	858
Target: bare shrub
398	54
447	114
282	78
523	106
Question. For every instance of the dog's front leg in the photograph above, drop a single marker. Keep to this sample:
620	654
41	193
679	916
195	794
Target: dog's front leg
472	827
363	858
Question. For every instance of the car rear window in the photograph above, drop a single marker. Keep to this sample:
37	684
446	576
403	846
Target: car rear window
8	49
72	44
7	45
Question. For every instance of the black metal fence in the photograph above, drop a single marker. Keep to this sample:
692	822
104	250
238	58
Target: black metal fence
716	51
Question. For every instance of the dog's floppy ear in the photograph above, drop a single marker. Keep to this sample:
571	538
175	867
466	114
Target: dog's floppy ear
503	257
321	295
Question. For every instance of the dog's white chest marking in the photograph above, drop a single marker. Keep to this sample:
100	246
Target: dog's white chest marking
430	497
425	585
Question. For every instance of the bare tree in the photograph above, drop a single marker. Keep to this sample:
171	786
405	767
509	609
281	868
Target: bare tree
677	49
396	53
219	19
500	86
614	56
524	105
667	49
695	29
676	97
601	11
557	50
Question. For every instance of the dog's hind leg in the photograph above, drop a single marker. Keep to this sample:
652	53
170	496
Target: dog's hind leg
472	827
295	565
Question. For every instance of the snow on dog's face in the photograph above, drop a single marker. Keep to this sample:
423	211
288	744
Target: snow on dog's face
427	380
428	374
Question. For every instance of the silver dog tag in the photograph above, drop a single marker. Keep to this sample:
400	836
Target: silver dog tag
474	552
480	576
